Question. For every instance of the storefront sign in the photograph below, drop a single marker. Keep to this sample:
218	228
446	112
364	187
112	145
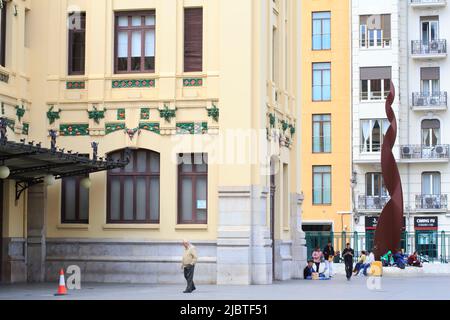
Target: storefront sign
425	223
371	223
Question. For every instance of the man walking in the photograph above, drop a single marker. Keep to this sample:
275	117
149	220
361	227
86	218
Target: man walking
328	254
348	255
188	265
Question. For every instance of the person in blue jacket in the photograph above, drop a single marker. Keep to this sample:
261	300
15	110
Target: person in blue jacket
399	259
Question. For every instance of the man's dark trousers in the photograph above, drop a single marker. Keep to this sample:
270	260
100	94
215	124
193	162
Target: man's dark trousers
348	268
189	276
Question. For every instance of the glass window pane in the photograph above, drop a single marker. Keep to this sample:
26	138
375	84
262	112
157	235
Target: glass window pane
316	138
317	93
327	137
69	198
141	161
154	162
115	198
128	200
141	199
327	188
136	41
136	21
200	163
186	199
150	43
317	197
326	77
84	203
326	93
122	44
123	21
317	78
150	20
130	166
326	27
317	42
201	191
154	199
317	27
326	42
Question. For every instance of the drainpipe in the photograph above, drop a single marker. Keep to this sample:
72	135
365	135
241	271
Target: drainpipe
408	179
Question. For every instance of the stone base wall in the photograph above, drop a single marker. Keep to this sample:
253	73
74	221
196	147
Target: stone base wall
113	261
14	269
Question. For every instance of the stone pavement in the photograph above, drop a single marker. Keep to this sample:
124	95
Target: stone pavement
392	288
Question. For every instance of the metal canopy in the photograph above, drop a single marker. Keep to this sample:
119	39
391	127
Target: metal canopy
30	163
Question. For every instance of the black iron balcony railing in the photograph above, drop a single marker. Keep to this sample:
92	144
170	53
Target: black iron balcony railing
420	48
437	152
430	2
372	202
436	99
431	202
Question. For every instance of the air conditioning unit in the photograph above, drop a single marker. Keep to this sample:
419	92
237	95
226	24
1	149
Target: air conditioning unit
440	150
407	151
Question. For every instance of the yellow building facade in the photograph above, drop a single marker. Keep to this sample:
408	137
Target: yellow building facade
326	116
167	80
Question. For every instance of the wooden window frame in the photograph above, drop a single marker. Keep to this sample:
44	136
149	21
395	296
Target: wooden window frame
71	33
3	34
129	29
135	174
322	136
322	203
194	175
78	186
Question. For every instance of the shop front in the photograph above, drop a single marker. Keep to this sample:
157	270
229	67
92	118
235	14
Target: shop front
370	227
426	236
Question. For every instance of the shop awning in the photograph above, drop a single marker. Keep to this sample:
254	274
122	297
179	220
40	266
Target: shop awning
30	163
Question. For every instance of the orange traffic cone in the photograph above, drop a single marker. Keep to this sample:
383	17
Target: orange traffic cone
62	291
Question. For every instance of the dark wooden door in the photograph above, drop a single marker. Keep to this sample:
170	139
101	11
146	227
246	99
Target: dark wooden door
272	219
1	228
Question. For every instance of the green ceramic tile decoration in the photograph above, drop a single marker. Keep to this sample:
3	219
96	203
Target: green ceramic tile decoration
75	129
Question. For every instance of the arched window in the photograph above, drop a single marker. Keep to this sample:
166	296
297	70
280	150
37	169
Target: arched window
133	192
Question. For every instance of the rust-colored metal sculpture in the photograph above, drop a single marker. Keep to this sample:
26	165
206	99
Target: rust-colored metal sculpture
389	227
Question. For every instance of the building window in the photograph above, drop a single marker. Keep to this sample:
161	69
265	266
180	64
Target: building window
375	31
430	77
431	133
133	191
193	189
322	81
321	133
3	10
193	39
77	43
135	42
321	185
431	183
375	185
321	30
429	29
375	83
74	201
372	134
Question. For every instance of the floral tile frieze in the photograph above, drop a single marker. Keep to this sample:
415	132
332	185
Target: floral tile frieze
150	126
75	85
74	130
113	127
25	128
192	82
147	83
121	115
145	113
192	128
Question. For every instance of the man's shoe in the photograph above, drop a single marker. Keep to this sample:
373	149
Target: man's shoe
187	291
193	288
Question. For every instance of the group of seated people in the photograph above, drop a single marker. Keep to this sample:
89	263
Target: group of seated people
400	260
365	260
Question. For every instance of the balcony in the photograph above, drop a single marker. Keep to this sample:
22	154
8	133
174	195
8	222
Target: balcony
420	153
372	203
434	49
431	202
429	102
425	4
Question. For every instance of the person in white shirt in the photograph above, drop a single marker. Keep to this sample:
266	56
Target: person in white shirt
370	259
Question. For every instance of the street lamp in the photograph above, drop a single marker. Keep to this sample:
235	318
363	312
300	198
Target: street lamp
86	183
4	172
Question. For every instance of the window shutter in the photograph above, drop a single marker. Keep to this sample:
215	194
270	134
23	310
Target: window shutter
193	39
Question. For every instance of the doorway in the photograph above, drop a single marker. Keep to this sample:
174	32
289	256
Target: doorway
1	229
273	189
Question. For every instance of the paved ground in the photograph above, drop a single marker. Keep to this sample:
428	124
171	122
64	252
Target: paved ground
420	288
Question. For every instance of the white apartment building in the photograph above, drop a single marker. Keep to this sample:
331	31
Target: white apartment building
403	40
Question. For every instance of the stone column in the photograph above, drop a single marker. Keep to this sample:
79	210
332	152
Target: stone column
36	226
243	244
298	236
